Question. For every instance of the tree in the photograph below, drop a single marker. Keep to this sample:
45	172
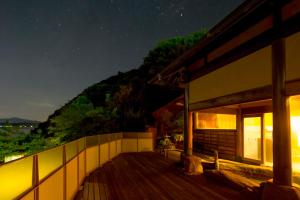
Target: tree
66	126
123	102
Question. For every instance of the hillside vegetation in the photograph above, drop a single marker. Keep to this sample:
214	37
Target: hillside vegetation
123	102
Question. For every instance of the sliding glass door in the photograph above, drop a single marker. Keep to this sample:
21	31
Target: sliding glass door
252	129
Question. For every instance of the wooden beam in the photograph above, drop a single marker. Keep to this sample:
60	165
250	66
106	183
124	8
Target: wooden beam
240	97
292	88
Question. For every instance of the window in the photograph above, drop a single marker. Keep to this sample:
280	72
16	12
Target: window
215	121
295	131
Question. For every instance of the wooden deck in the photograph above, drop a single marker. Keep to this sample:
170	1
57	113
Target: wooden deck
149	176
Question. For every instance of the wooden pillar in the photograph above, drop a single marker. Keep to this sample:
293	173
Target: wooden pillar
188	124
282	165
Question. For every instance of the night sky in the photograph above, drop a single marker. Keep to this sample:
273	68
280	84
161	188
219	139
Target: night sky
51	50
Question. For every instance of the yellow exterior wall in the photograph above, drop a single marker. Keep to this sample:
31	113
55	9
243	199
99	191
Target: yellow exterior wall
292	57
145	145
250	72
52	188
81	168
104	157
112	150
15	178
29	196
129	145
72	175
119	146
92	156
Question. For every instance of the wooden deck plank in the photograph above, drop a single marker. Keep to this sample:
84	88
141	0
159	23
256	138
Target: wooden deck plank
150	176
96	187
86	189
180	182
90	188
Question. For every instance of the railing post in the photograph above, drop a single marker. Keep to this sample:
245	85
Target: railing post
109	150
84	153
64	173
99	149
137	143
77	149
35	176
116	143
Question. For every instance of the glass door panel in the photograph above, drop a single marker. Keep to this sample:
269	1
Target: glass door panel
268	139
252	138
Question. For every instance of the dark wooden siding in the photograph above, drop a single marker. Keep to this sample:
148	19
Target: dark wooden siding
224	141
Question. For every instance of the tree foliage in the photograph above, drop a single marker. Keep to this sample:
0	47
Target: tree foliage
13	141
123	102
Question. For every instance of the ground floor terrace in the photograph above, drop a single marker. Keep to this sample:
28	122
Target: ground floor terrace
148	175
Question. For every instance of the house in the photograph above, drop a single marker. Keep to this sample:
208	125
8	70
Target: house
242	88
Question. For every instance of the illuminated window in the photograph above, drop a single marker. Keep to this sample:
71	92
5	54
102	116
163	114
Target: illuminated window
295	131
215	121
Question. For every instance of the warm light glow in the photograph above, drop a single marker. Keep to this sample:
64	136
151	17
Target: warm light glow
12	157
49	161
215	121
16	177
252	138
295	131
268	139
295	126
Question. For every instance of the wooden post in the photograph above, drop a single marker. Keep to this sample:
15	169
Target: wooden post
64	173
239	137
35	176
282	165
84	157
99	150
190	133
188	124
77	158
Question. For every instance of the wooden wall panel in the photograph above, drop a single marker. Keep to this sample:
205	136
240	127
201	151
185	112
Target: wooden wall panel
224	141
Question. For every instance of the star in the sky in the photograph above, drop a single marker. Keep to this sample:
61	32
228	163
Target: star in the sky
102	29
